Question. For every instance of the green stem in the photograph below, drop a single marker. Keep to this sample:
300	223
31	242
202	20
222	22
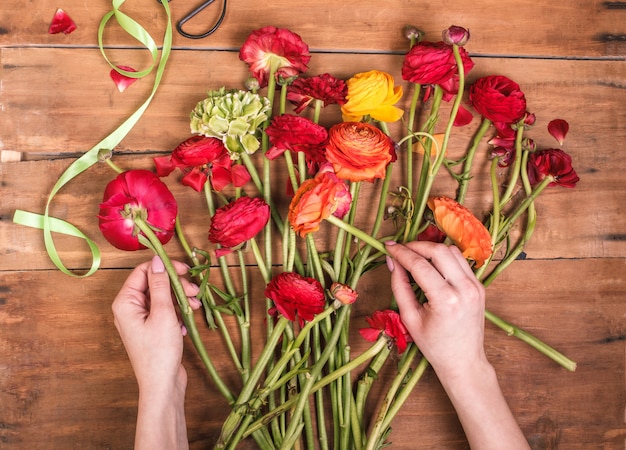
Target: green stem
417	89
515	170
469	160
359	234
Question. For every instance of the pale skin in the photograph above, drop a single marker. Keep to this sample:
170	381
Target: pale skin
448	329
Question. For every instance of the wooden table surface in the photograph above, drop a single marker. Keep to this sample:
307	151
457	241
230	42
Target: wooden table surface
65	380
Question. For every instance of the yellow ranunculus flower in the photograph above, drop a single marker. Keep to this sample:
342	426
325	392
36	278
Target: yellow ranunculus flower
372	93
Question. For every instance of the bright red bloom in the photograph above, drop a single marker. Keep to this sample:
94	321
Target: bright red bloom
316	199
359	151
136	193
122	81
280	47
294	294
199	156
297	134
238	222
325	88
433	63
61	23
498	99
554	163
387	322
558	129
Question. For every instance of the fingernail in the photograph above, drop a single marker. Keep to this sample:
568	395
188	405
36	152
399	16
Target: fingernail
157	265
390	264
390	243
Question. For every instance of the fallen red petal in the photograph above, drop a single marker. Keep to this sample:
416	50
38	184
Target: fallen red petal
122	81
61	23
558	128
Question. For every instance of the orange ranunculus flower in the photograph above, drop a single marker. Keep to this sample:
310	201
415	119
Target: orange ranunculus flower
465	230
372	94
359	151
316	199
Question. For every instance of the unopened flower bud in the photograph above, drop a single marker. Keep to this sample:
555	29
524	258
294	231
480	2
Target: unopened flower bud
412	33
252	84
530	119
456	36
344	294
529	144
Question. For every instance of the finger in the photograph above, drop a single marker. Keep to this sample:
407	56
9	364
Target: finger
405	297
424	274
447	260
160	290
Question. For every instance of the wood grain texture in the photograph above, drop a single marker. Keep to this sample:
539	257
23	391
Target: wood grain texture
65	380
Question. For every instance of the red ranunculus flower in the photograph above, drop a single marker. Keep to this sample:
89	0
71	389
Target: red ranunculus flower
325	88
298	134
316	199
136	193
294	294
280	47
359	151
199	156
554	163
387	322
433	63
498	99
238	222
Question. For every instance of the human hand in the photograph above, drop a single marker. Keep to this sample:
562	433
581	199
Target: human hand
146	319
449	328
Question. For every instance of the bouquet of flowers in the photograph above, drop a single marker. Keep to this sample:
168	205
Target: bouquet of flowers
306	385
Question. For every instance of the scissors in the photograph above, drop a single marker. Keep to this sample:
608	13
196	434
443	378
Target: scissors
192	14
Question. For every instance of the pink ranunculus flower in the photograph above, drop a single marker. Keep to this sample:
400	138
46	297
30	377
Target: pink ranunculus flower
278	47
132	194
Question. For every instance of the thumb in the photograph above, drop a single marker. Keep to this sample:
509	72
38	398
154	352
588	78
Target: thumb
159	285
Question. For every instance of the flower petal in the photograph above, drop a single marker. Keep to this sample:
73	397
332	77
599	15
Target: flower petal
61	23
120	80
558	128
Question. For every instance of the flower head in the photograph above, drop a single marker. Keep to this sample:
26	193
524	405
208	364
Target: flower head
238	222
316	199
277	48
359	151
297	134
61	23
498	98
344	294
372	94
294	295
553	163
136	194
456	35
324	88
433	63
389	323
463	228
233	116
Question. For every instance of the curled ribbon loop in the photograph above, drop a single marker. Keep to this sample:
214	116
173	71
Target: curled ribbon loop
51	224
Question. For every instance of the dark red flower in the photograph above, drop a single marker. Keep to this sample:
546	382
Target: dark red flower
297	134
61	23
387	322
136	193
497	98
433	63
280	47
553	163
238	222
325	88
199	156
294	295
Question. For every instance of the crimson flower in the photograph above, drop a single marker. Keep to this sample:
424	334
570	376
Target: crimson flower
325	88
274	47
61	23
199	156
136	194
433	63
294	295
238	222
298	134
498	99
389	323
554	163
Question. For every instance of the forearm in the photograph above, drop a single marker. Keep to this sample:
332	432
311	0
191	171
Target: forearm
161	421
482	409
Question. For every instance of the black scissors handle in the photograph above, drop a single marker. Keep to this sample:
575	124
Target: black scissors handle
192	14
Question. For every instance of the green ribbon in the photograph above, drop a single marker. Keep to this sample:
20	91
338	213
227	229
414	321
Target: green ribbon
50	224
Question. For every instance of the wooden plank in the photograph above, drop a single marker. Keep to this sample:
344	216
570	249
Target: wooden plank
540	28
65	381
